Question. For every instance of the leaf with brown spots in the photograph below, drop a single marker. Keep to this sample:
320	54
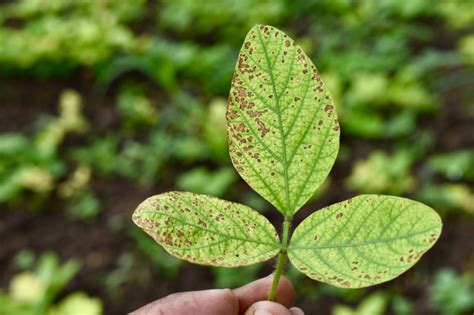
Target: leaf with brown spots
363	241
207	230
283	140
281	120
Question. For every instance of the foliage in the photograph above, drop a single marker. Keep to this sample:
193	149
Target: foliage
33	163
454	166
34	292
452	293
374	237
449	196
135	108
203	181
374	304
234	277
84	33
283	140
381	173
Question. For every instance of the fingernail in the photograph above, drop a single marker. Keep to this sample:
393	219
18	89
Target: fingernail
262	312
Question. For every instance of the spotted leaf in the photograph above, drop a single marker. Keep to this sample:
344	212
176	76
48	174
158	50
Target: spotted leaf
207	230
364	241
282	126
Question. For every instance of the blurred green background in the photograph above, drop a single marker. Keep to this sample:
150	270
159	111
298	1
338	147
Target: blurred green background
104	103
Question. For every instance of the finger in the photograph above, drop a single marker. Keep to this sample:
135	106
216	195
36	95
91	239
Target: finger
208	302
296	311
267	308
259	289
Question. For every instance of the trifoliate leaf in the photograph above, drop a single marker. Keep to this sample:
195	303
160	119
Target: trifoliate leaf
281	121
363	241
207	230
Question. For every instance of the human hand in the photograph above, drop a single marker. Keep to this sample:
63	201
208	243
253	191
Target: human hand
247	300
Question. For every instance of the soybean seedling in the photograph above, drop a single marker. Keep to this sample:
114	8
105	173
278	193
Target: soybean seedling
283	137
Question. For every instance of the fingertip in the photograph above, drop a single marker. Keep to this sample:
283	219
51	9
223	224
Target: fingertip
296	311
267	308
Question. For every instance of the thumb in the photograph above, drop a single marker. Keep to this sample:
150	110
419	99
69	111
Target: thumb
272	308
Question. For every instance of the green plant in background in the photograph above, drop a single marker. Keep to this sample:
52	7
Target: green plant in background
82	202
448	196
65	33
233	277
381	173
33	163
374	304
214	129
135	108
205	182
283	140
34	292
454	166
452	293
458	169
173	137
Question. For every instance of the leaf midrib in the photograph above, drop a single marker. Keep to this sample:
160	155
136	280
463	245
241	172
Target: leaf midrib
295	246
212	231
278	113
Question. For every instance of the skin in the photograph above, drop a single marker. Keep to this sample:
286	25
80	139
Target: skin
249	299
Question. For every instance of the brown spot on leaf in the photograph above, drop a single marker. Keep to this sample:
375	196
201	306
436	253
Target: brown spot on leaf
328	108
202	223
262	127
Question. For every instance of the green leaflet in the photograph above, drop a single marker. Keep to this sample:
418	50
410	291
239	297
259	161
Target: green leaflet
207	230
363	241
281	121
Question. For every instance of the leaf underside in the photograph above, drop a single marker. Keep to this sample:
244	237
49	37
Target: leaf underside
282	124
363	241
207	230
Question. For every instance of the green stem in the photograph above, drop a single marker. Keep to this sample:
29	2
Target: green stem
281	258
